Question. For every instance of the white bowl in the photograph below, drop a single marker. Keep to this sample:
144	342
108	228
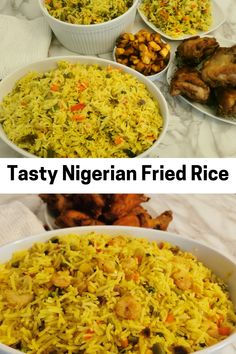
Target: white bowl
221	265
153	77
90	39
7	84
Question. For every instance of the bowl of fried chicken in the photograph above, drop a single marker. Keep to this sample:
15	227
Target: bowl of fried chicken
204	74
70	210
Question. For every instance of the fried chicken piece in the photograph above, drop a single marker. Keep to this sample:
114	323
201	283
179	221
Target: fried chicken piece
91	222
57	202
133	218
90	203
226	98
193	50
220	68
70	218
121	204
141	218
99	209
128	220
188	82
162	221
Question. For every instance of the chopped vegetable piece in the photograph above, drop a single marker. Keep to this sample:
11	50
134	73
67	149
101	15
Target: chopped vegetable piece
146	332
157	348
224	331
90	330
170	318
129	153
124	343
133	339
78	117
29	138
118	140
77	107
135	276
88	336
54	87
54	240
82	86
179	349
51	153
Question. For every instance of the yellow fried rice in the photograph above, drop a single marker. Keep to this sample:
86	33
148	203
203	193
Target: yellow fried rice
78	110
101	294
87	12
178	17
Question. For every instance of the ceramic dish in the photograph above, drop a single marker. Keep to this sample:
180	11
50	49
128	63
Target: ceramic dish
218	20
208	110
154	77
8	83
221	265
49	218
90	39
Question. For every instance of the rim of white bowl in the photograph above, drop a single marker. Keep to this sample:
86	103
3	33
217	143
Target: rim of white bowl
25	153
95	25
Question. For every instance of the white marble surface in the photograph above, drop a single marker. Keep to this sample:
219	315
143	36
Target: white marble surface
207	218
190	133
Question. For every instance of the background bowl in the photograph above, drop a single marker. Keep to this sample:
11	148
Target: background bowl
7	84
90	39
221	265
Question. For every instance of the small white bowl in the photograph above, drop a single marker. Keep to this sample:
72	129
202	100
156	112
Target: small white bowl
90	39
7	84
153	77
217	262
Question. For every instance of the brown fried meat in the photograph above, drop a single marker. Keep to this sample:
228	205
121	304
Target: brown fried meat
140	217
213	82
71	218
92	203
119	205
188	82
57	202
226	99
193	50
220	68
104	209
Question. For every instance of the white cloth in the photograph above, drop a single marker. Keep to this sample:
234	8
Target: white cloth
3	4
17	222
22	42
29	8
21	8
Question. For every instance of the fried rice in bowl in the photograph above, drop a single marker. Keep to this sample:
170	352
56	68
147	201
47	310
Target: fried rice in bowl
115	289
89	27
81	107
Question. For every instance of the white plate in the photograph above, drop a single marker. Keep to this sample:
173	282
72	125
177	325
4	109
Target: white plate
49	219
217	17
221	265
208	110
